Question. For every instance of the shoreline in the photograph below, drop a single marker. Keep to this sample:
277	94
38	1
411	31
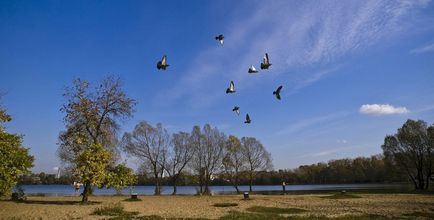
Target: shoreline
66	190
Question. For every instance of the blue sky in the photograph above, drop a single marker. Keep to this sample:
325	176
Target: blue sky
352	71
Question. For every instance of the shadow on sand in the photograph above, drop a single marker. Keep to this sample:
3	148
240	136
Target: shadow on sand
55	202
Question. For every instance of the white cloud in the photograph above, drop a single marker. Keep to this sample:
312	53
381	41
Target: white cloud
342	141
424	49
307	123
423	109
334	151
382	109
324	153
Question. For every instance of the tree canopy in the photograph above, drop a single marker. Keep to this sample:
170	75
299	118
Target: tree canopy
15	159
412	150
120	177
91	165
92	123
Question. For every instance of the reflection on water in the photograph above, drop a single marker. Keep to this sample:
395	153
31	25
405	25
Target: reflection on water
57	190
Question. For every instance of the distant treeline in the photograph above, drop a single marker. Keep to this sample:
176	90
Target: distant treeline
374	169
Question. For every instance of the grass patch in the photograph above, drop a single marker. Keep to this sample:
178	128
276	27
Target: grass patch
110	210
342	196
153	217
225	204
360	217
235	215
275	210
115	209
132	200
56	202
421	214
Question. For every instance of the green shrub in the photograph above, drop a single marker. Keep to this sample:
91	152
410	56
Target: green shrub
110	210
18	195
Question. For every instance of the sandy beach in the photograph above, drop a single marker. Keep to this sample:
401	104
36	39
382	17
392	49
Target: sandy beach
388	205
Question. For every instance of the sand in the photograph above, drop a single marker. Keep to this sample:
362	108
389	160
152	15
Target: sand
195	206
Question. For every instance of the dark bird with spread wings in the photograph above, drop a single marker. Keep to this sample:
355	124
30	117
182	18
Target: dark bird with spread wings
221	39
247	119
231	88
236	109
162	64
265	63
277	92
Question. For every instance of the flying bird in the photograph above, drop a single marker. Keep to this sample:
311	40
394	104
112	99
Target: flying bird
163	63
231	88
236	109
277	92
247	119
221	39
252	69
265	63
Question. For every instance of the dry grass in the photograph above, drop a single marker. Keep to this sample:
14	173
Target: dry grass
391	205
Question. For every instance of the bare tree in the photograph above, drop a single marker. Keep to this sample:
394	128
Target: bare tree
209	144
412	150
92	118
180	155
233	161
149	144
198	160
256	156
213	143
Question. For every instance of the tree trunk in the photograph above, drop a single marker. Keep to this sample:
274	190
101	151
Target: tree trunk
251	182
157	187
420	180
207	191
421	184
236	188
86	192
414	183
234	182
174	189
174	184
200	184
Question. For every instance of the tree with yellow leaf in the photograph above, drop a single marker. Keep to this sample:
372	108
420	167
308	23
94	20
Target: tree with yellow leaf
14	158
91	168
91	119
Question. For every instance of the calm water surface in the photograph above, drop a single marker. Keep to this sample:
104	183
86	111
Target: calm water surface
58	190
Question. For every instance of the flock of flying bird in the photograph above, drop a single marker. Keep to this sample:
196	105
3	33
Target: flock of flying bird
162	65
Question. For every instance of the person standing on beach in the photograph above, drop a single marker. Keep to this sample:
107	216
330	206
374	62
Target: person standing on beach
77	186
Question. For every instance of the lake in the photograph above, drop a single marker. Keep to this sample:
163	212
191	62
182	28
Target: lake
61	190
